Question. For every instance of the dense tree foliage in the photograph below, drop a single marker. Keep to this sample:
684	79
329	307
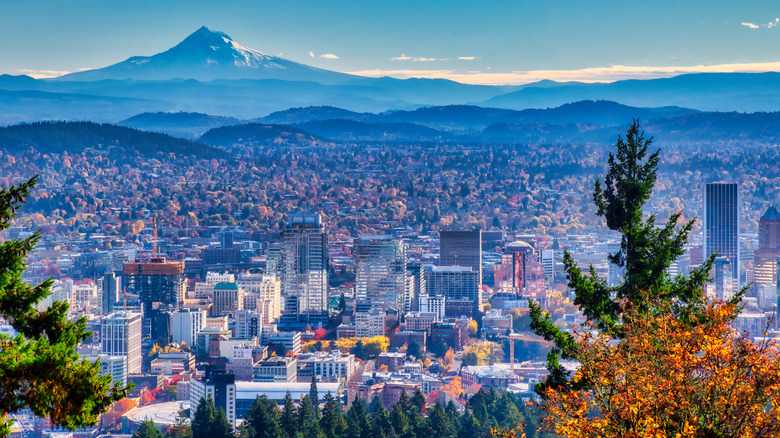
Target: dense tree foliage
407	419
39	366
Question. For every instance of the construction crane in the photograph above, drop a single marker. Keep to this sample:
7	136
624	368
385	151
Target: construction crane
126	294
521	337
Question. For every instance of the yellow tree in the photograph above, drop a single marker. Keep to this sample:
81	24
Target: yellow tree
670	376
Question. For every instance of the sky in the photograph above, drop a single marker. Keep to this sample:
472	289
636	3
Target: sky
481	42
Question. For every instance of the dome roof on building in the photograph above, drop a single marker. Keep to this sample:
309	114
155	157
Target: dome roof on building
771	214
519	245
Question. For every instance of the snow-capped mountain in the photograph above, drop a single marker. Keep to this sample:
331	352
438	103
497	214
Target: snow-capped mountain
207	55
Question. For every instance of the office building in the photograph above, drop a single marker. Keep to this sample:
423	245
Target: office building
159	286
380	272
454	283
721	223
120	335
304	269
461	248
227	299
263	294
185	325
768	247
220	387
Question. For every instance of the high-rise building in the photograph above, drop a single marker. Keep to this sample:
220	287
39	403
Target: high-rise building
764	259
380	272
263	295
111	286
185	325
228	298
159	284
304	269
721	223
461	248
120	335
454	283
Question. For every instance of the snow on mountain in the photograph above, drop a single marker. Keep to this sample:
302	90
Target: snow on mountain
207	55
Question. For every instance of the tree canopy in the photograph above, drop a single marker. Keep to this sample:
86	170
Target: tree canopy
39	366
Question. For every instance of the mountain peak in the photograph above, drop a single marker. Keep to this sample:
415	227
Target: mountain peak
207	55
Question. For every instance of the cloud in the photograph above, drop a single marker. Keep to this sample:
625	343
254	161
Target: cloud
43	74
311	54
599	74
467	58
771	24
403	57
329	56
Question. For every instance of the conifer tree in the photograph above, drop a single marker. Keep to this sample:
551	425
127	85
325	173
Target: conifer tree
288	420
437	423
332	422
645	253
210	422
39	367
261	421
147	429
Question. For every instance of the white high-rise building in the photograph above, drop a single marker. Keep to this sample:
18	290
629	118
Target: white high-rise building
304	269
120	335
380	264
263	295
185	325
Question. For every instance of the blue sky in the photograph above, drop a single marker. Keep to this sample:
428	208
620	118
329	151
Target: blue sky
470	41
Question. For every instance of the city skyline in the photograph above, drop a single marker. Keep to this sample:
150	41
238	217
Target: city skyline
499	43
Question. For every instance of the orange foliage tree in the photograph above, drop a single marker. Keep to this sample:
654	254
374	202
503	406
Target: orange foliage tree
670	376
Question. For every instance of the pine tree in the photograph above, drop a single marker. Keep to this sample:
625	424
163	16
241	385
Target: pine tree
437	423
332	422
147	429
210	422
418	400
261	421
40	368
645	253
288	420
314	395
469	427
182	428
400	422
376	405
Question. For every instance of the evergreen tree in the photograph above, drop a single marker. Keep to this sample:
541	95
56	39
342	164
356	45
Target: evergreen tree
40	368
261	421
147	429
332	422
469	427
453	414
288	420
359	417
437	423
400	422
645	253
418	400
314	396
376	405
210	422
405	402
380	419
308	422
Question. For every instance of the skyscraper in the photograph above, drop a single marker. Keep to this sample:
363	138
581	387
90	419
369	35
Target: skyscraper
461	248
380	265
768	247
304	269
721	223
120	335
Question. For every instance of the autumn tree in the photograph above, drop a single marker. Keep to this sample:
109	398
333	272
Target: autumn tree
39	366
671	377
645	253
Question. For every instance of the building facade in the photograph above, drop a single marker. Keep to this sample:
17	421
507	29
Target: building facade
304	269
721	223
120	335
380	272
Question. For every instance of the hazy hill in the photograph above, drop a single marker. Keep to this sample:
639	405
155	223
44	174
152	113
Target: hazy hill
258	134
181	124
354	131
74	137
703	91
